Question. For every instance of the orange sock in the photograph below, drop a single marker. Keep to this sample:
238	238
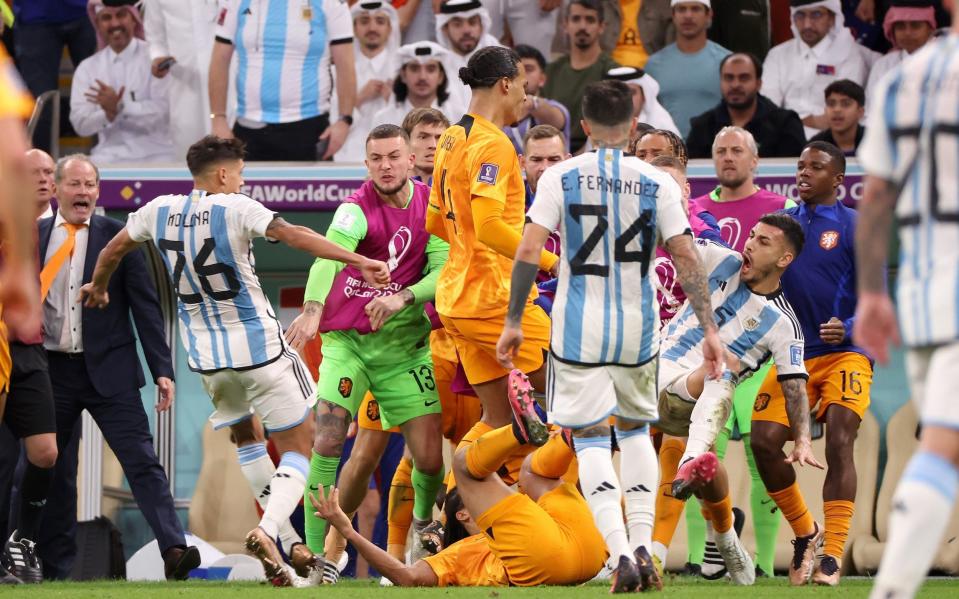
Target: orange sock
668	508
719	513
399	510
490	451
553	459
478	430
793	507
838	518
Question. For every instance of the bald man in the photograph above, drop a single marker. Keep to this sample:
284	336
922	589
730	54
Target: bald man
41	166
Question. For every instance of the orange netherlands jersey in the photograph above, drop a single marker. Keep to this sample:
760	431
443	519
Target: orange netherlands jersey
474	158
468	563
15	101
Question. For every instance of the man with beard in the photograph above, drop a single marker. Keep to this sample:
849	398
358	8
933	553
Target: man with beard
568	75
778	131
376	37
462	27
422	82
377	341
822	50
688	69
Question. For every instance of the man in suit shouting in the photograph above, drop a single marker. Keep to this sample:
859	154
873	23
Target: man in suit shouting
94	366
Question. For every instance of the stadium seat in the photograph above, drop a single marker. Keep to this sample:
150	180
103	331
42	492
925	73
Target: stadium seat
901	443
223	509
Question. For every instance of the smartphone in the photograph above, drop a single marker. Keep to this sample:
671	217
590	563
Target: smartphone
166	64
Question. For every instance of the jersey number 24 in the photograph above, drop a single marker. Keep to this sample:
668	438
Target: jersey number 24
642	228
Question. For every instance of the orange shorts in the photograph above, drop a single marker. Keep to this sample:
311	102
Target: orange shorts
842	378
368	416
476	338
551	541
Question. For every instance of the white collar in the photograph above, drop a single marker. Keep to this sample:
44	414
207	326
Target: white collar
125	54
59	220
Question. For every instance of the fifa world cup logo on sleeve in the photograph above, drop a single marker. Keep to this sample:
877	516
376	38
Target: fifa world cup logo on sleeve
399	245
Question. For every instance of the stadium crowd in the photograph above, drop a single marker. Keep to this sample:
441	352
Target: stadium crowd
473	117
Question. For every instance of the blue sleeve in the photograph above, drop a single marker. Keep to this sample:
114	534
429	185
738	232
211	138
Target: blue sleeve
713	232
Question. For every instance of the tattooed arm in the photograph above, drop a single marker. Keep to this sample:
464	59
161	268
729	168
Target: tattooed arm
797	409
692	278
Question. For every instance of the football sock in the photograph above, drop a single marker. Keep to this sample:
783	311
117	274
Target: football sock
478	430
766	516
838	517
668	508
425	487
286	490
639	475
399	510
720	514
553	459
258	469
322	474
793	507
923	501
490	451
709	415
33	496
696	527
603	493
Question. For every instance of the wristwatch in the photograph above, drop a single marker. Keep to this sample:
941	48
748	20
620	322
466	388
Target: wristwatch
347	118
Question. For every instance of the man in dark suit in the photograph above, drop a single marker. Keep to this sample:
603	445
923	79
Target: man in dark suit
94	366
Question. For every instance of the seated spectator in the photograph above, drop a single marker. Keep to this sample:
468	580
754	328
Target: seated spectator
115	97
644	27
908	25
422	82
376	39
462	28
283	96
646	106
742	26
845	107
538	111
778	131
688	70
568	75
425	126
821	51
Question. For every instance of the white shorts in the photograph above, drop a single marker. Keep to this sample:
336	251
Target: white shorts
280	393
931	381
581	396
675	403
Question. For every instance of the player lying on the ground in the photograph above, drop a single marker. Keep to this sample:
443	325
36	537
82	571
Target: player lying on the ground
755	323
227	326
545	536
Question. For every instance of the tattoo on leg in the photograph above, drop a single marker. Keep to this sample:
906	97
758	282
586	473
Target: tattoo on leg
600	430
331	428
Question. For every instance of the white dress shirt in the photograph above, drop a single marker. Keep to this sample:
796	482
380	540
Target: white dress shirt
382	67
62	315
394	112
141	131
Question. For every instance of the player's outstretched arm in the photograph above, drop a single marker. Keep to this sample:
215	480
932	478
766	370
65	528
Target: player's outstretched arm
525	267
307	240
875	323
797	409
692	278
94	294
500	237
419	574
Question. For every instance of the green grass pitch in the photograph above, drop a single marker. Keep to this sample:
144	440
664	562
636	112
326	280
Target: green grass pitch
677	588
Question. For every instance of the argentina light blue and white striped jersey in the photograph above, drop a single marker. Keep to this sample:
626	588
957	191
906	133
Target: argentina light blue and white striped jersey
283	54
608	208
753	326
206	241
912	140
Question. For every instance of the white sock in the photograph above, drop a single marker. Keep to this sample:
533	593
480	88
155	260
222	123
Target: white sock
923	501
712	560
258	468
597	477
286	491
709	415
660	551
639	473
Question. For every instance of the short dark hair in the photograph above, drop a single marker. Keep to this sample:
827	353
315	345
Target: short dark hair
424	116
489	65
757	64
387	131
835	154
790	227
454	530
608	103
673	162
525	51
542	132
211	150
590	5
846	87
400	90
